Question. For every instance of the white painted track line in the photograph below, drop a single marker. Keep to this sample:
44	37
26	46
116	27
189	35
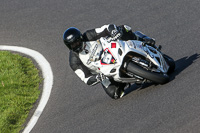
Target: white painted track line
48	81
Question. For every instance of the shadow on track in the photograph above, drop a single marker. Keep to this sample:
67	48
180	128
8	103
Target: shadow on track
181	65
184	63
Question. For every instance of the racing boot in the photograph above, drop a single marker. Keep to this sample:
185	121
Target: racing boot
119	93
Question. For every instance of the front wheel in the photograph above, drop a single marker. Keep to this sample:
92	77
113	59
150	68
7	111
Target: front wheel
158	78
170	62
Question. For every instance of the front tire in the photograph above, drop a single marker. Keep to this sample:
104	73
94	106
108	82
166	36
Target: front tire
170	62
152	76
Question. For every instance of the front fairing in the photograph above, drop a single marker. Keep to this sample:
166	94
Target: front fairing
156	57
117	51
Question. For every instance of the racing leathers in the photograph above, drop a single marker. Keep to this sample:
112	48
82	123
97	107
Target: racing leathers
80	62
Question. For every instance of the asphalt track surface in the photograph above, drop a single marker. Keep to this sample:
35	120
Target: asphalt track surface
74	107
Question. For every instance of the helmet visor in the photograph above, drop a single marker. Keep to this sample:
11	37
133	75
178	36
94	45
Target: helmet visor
77	46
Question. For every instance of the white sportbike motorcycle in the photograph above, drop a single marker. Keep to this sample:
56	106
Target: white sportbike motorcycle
128	61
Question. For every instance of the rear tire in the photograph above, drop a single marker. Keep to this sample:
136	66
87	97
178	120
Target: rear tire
152	76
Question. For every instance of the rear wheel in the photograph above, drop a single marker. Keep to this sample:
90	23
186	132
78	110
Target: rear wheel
158	78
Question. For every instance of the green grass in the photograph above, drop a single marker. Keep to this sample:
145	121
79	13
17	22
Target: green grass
19	90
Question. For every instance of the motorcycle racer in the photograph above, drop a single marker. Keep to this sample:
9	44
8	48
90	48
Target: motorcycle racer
81	53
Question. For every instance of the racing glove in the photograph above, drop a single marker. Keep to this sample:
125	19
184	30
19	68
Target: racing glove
114	33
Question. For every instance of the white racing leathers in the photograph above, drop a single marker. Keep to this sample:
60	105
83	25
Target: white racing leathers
92	52
81	62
